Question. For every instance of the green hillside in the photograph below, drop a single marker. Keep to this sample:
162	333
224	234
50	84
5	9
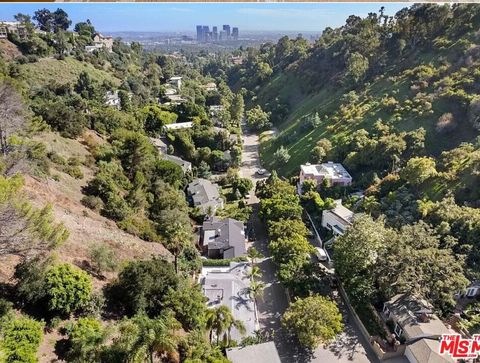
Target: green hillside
48	70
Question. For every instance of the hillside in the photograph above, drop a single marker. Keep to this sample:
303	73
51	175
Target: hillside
48	70
9	50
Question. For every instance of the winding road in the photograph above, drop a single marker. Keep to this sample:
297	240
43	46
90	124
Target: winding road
348	347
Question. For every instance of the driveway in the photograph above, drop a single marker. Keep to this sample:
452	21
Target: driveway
348	347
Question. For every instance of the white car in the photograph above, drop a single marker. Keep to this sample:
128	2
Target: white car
261	171
321	254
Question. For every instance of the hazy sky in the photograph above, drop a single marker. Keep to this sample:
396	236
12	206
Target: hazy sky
184	16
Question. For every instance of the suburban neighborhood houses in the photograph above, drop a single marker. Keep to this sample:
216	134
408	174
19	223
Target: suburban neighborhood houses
330	173
205	195
223	238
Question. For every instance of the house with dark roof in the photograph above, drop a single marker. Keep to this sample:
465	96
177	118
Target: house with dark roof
223	238
413	320
205	195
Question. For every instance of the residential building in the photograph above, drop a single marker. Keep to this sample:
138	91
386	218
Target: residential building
185	165
112	99
413	319
160	144
237	60
101	41
205	195
209	87
178	126
176	81
471	291
337	219
223	238
257	353
333	173
176	99
229	286
12	27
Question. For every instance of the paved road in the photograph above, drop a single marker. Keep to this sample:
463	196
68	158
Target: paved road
349	347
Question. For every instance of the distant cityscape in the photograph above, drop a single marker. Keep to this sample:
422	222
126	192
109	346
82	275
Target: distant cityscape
204	35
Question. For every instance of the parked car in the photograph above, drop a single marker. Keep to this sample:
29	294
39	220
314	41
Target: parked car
321	254
261	171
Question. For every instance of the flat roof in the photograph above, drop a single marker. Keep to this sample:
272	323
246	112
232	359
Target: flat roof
258	353
330	170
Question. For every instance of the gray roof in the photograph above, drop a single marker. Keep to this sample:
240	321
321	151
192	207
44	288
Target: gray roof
225	234
416	318
229	286
205	194
258	353
185	165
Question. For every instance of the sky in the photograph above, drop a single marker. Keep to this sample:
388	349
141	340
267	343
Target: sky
182	17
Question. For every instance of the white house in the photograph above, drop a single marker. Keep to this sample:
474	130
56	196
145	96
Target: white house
13	27
103	41
179	126
334	173
176	81
337	219
112	99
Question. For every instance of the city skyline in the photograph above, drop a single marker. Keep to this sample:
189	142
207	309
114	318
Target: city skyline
204	35
183	17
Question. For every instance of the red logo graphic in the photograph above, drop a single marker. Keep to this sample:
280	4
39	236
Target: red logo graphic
460	348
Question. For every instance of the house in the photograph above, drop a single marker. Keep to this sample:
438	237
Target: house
257	353
178	126
102	41
209	87
223	238
237	60
337	219
205	195
472	291
176	81
229	286
333	173
112	99
12	27
185	165
412	319
176	99
160	144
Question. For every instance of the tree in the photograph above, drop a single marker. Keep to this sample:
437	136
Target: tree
178	236
86	338
11	115
258	119
254	255
155	119
418	170
44	19
313	320
85	29
281	156
243	185
236	107
60	20
141	338
20	339
103	258
220	321
68	288
141	286
357	66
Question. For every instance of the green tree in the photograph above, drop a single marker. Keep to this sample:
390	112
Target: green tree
313	320
155	119
68	288
237	108
243	185
141	286
20	339
103	258
258	119
86	339
418	170
357	66
220	321
281	156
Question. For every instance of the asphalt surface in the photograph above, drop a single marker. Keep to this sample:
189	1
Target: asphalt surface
348	347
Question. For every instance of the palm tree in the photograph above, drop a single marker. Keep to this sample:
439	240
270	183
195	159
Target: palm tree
253	254
254	273
237	324
218	320
255	291
177	239
153	336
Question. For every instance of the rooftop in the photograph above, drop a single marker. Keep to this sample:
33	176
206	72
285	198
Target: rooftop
329	170
227	234
229	285
203	191
185	165
179	125
258	353
342	212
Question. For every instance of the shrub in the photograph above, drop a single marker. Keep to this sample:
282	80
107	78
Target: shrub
21	339
85	339
103	258
68	288
92	202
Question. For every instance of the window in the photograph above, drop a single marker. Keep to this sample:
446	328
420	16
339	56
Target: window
398	330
